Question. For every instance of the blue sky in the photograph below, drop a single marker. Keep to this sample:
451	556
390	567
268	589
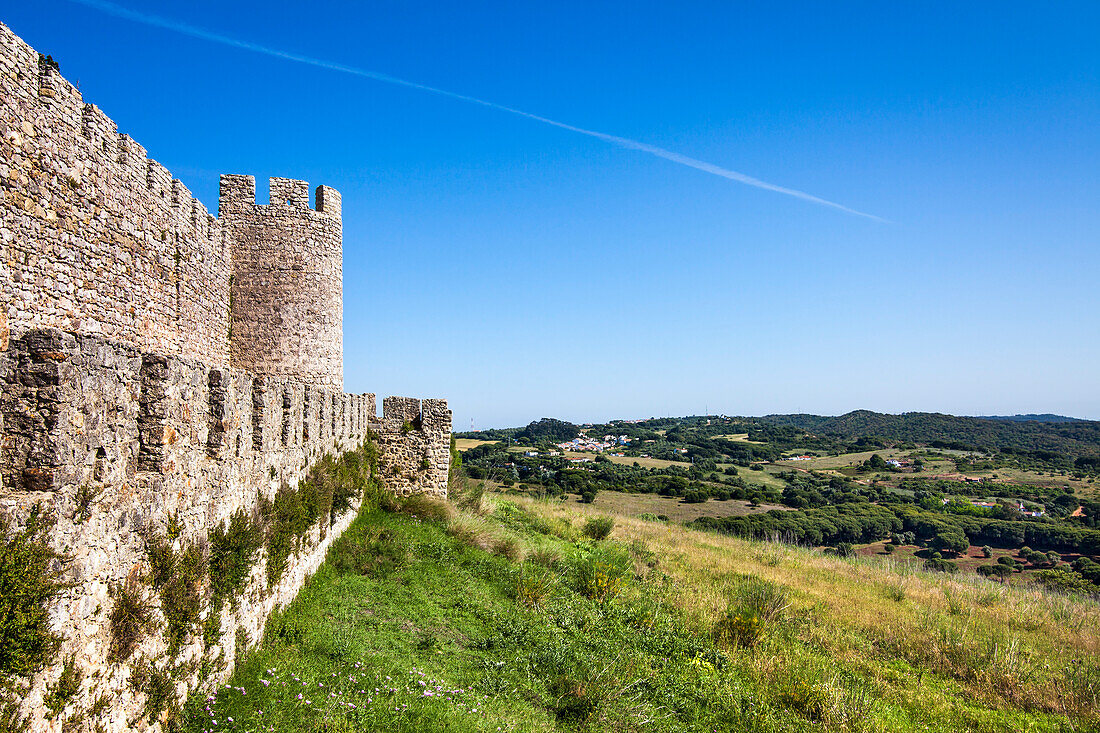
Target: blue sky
523	270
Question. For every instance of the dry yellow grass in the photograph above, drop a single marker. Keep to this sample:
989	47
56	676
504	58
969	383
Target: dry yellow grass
852	605
464	444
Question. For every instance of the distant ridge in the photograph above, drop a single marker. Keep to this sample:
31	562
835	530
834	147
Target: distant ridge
1032	417
1062	435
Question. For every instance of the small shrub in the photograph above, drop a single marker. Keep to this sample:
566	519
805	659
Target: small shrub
588	496
845	549
129	619
548	557
233	548
157	684
427	508
738	627
987	551
533	584
61	692
599	528
178	579
508	547
599	578
85	497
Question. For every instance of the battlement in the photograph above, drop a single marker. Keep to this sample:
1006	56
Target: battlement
238	194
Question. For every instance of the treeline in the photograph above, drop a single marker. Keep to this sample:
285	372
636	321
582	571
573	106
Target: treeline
830	525
1072	444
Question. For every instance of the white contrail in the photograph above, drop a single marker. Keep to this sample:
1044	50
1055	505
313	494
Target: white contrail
190	30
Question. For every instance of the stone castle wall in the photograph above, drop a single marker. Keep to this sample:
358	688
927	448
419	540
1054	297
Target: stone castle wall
95	237
153	439
162	369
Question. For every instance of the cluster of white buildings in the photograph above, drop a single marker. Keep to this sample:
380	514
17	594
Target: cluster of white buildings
584	443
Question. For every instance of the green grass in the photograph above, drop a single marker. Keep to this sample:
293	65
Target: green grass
411	626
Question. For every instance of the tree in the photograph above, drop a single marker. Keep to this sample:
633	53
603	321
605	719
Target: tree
951	540
987	551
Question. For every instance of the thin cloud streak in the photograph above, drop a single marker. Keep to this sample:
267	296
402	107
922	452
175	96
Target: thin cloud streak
622	142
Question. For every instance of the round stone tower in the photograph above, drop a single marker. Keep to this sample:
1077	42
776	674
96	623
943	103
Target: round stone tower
286	292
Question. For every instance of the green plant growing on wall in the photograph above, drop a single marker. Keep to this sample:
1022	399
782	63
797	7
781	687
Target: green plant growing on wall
29	579
129	620
178	579
64	689
85	497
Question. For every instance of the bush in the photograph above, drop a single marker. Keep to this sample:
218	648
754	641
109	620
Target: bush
890	549
755	605
938	564
508	547
599	528
845	549
30	577
428	508
129	619
533	584
987	551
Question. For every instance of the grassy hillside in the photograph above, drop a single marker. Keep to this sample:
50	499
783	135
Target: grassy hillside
508	616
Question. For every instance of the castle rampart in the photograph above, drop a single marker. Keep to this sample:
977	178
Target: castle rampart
161	371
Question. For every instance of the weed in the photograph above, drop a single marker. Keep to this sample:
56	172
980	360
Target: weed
30	577
472	531
427	508
600	576
85	497
64	689
129	620
895	592
599	528
373	552
533	584
508	547
173	528
546	556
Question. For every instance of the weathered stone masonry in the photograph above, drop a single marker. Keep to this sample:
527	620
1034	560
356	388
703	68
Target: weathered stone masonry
159	361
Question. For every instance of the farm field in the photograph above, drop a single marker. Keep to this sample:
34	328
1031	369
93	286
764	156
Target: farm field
464	444
626	504
739	438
